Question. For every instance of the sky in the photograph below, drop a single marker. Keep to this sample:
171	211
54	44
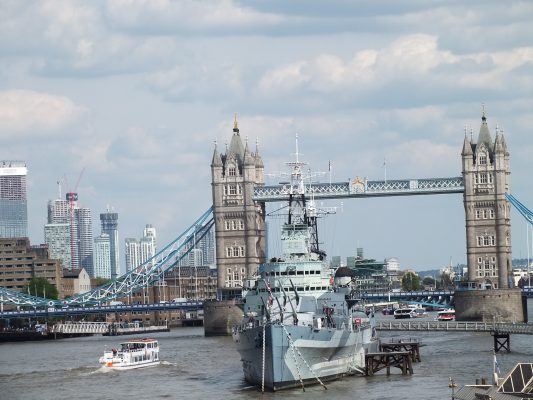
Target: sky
128	98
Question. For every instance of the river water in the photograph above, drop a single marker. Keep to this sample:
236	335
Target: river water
195	367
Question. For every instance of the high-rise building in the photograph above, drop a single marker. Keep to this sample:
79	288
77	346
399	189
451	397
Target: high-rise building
85	238
80	236
131	253
58	211
13	203
57	237
102	256
109	221
138	252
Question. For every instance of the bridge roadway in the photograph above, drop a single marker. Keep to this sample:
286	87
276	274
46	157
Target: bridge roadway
57	312
455	326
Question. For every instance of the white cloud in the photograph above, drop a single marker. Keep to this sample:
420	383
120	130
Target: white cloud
33	113
187	15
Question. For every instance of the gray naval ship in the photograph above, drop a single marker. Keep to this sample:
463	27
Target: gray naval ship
300	325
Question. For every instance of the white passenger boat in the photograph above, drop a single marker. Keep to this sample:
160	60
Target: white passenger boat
404	312
137	353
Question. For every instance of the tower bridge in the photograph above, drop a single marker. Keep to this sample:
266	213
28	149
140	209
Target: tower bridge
238	216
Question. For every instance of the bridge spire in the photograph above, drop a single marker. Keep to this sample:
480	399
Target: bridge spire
236	125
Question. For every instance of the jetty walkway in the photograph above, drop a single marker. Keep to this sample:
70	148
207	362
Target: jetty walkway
455	326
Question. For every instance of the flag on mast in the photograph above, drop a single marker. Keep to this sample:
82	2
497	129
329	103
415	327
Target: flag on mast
496	371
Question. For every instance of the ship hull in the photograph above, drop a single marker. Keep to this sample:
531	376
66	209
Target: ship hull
326	354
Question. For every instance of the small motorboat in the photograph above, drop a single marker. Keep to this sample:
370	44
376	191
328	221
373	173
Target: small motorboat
136	353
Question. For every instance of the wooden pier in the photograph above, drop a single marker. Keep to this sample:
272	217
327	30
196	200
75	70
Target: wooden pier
410	346
401	353
375	362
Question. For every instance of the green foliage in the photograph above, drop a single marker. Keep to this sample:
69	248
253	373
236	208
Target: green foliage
410	282
101	281
428	281
40	287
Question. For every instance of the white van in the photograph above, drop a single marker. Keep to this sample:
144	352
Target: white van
180	300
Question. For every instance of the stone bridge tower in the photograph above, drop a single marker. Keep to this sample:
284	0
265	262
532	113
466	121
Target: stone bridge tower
490	295
488	224
239	221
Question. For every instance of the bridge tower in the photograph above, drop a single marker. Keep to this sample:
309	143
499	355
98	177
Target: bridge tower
490	295
239	221
239	228
488	223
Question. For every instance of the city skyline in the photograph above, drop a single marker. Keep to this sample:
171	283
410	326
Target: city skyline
136	94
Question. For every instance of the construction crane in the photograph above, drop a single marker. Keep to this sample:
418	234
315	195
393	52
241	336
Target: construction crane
72	198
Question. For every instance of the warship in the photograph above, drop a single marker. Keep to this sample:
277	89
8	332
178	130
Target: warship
300	324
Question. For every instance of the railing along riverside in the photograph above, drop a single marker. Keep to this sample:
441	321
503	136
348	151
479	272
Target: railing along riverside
435	326
81	327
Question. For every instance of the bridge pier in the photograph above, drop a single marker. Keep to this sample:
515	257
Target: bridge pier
491	305
221	316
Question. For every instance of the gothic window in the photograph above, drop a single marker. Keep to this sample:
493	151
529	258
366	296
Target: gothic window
225	190
482	159
231	171
241	251
491	213
493	241
486	241
482	178
229	270
479	260
478	214
480	240
234	225
229	252
485	214
490	178
239	189
228	223
232	189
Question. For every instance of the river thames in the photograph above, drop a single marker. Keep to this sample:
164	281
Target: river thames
195	367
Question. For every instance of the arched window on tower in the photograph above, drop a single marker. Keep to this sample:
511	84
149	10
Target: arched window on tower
232	171
482	159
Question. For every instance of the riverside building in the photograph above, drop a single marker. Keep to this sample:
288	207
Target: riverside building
20	262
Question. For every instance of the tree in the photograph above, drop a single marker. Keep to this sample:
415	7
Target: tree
447	282
40	287
410	282
428	281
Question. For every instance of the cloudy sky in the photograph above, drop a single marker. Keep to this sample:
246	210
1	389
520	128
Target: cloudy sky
134	93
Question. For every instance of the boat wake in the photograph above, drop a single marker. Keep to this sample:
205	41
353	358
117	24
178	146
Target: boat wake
168	364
